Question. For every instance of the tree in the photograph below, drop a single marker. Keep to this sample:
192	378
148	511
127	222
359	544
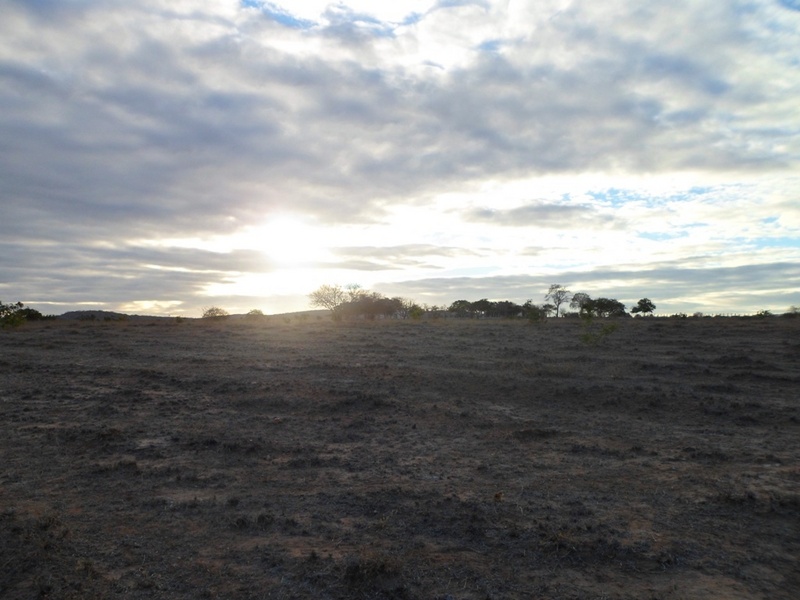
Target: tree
534	313
31	314
461	308
11	314
482	307
415	311
328	296
608	307
16	314
558	295
506	309
644	306
355	291
214	312
408	309
583	303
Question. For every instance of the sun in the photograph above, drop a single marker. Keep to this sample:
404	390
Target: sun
290	242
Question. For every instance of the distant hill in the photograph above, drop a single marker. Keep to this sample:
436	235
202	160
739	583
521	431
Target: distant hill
108	315
102	315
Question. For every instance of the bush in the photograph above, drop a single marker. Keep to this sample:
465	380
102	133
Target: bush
13	315
214	312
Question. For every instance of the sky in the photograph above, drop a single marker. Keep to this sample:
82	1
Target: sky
162	156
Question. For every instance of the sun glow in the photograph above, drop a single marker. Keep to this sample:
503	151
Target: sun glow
290	243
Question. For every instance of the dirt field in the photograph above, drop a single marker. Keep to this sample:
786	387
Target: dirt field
451	459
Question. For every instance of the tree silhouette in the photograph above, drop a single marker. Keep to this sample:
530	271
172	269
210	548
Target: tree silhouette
558	295
644	306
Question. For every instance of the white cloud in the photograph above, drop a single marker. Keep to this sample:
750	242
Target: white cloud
536	137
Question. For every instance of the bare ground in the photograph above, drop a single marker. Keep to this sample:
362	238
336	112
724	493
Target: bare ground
400	460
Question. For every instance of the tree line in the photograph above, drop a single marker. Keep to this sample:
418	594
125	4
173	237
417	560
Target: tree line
353	301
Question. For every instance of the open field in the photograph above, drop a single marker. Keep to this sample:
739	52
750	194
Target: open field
400	460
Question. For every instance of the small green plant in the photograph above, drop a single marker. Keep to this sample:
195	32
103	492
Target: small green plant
594	333
415	311
535	313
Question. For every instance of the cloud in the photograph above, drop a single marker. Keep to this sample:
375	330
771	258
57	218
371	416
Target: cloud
122	124
672	286
544	214
389	258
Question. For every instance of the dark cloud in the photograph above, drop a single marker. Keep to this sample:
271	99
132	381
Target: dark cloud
544	214
68	273
671	286
150	136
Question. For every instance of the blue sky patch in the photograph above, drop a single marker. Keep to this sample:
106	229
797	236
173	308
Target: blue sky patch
490	45
776	242
278	14
662	236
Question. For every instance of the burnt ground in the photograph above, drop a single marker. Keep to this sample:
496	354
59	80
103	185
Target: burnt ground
451	459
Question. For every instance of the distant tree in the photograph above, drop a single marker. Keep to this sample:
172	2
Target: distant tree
370	305
608	307
558	295
583	303
644	306
535	313
506	309
12	315
255	314
415	311
31	314
214	312
461	308
482	307
355	291
331	297
405	308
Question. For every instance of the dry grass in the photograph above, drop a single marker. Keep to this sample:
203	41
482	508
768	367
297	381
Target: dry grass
462	460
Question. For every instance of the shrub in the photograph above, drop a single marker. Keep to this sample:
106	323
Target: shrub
214	312
12	315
